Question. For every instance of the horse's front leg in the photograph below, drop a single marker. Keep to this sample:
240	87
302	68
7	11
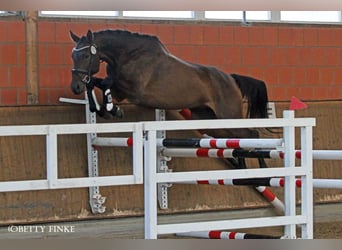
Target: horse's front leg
108	105
107	99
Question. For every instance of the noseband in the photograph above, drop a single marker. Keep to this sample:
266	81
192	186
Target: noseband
87	73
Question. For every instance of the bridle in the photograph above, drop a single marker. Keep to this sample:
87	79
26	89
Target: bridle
86	79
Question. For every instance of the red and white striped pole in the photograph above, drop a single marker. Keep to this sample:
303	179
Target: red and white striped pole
226	235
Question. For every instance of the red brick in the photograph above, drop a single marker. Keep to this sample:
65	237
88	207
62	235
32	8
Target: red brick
165	34
291	56
312	75
256	36
277	56
239	70
63	76
3	31
44	96
4	73
79	28
241	35
310	37
334	92
182	34
304	57
256	72
9	54
102	26
338	76
278	94
21	50
319	93
203	55
42	53
47	76
285	75
8	96
325	36
285	36
16	31
299	75
197	34
187	53
337	37
332	56
63	32
173	49
46	31
249	56
298	38
211	35
270	35
306	92
132	27
271	75
218	56
150	29
55	54
293	91
18	76
263	55
226	35
21	96
326	75
56	93
318	56
233	56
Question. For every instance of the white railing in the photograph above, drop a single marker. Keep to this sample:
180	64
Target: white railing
51	132
145	135
152	178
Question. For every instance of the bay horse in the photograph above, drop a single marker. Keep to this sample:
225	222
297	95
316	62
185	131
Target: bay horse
142	70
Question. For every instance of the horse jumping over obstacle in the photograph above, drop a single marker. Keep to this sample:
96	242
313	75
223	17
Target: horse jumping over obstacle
142	70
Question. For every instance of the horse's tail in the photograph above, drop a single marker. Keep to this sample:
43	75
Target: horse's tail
256	93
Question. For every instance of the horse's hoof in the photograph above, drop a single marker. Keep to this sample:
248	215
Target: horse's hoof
119	113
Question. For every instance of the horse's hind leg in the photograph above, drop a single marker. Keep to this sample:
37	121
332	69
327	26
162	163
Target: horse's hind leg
207	113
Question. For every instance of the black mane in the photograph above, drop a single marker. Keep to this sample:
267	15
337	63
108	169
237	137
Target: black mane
127	34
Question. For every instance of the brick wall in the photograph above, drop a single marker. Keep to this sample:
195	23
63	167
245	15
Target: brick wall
300	60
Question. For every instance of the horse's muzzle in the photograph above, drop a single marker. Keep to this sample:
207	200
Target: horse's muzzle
77	87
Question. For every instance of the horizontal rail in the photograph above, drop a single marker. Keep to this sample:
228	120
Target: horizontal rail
231	224
240	153
228	123
214	234
24	130
272	182
193	142
10	186
227	174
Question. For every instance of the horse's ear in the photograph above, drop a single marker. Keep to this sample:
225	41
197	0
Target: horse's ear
74	37
90	36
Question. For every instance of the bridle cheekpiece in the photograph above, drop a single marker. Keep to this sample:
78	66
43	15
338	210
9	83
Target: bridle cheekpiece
87	73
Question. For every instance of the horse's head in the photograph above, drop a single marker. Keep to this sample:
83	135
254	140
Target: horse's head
86	61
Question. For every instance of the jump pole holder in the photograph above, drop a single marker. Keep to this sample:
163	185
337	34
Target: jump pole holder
162	188
96	200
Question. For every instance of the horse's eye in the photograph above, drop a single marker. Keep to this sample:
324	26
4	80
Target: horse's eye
86	56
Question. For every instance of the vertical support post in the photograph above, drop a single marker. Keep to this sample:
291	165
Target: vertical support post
162	188
95	199
51	157
138	154
307	185
290	187
31	57
150	184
